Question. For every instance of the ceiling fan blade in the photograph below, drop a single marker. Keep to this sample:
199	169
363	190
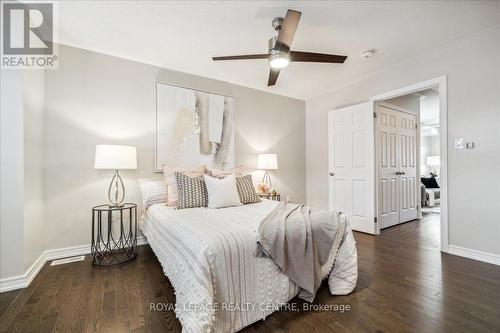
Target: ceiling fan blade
288	29
316	57
242	57
273	76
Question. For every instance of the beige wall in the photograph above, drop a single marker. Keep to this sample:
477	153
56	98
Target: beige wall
11	174
472	67
94	98
22	213
33	101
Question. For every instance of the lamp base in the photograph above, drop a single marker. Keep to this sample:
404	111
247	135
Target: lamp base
116	200
266	179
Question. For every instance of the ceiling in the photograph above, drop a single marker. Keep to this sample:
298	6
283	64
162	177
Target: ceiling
185	35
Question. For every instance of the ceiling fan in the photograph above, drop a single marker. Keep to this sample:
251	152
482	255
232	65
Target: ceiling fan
280	54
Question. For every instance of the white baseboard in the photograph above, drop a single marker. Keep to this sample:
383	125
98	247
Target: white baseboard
474	254
24	280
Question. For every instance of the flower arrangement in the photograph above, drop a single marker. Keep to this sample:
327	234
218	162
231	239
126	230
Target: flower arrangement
263	188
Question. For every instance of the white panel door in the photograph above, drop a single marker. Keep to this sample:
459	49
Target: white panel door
408	169
351	165
387	146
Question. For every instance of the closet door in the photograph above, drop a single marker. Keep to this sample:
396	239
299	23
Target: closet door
408	169
397	173
387	145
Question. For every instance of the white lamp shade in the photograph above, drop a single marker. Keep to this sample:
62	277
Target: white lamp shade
115	157
267	162
433	161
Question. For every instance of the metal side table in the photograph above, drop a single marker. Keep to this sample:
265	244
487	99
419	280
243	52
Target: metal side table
109	247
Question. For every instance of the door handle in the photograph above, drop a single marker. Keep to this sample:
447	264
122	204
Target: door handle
331	174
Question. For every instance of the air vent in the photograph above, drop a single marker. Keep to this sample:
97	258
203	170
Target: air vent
67	260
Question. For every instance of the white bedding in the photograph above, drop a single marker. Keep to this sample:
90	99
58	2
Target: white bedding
209	257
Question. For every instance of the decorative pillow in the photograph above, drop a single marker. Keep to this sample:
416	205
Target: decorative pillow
170	181
192	192
246	191
152	192
222	192
429	182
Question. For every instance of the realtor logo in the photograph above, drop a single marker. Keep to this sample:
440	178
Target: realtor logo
27	35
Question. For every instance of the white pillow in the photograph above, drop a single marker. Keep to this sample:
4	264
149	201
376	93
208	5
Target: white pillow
222	192
152	192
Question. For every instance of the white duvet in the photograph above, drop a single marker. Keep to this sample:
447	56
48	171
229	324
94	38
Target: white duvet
209	257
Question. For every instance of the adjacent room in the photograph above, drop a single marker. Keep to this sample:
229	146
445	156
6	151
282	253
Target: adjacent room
429	151
249	166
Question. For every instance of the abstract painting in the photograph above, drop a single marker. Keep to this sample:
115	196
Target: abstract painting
193	128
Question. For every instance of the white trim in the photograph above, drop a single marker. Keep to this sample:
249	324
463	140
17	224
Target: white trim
410	89
490	258
443	143
24	280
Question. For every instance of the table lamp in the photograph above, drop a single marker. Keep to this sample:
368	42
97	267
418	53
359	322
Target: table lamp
116	158
267	162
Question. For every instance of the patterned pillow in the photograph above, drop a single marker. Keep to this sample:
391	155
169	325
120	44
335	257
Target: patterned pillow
192	191
246	191
169	175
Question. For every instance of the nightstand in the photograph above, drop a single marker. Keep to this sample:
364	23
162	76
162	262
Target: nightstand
271	196
114	234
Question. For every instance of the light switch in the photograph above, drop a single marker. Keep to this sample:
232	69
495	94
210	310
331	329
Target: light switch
469	145
459	143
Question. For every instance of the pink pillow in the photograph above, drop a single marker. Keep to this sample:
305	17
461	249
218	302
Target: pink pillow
169	176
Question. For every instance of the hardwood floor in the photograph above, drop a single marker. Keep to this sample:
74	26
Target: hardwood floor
405	285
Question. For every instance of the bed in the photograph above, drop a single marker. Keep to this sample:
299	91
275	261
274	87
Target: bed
209	256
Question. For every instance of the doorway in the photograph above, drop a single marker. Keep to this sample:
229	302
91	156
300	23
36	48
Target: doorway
424	185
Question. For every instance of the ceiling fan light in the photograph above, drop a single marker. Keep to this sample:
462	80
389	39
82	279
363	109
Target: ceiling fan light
279	60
